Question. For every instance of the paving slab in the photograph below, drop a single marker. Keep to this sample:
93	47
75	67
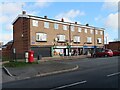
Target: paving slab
41	69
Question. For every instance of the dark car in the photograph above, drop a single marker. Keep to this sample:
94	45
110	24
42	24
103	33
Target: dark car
106	52
116	53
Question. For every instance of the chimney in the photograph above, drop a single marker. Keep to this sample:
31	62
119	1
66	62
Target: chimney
45	17
62	20
75	22
87	24
23	12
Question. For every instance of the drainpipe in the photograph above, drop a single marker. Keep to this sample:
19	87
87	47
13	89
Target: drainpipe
69	39
94	40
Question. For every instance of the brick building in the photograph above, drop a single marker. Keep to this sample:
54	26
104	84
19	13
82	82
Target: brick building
7	51
50	37
1	43
113	45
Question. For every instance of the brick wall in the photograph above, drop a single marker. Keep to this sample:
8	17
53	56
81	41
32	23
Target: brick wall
21	34
113	45
7	53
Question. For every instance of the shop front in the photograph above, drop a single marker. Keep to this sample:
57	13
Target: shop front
76	50
91	49
60	51
67	50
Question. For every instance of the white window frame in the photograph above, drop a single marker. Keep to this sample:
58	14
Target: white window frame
101	32
79	29
72	28
61	38
46	24
99	40
65	27
89	39
85	30
96	31
91	31
35	23
56	26
41	37
76	39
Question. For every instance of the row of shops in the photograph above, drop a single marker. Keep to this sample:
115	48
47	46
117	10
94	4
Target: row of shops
64	50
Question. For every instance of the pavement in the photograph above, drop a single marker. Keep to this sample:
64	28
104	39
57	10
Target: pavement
46	66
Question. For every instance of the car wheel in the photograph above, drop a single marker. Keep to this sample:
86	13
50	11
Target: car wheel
106	55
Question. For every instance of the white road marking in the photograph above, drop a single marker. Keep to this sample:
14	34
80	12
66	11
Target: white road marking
113	74
69	85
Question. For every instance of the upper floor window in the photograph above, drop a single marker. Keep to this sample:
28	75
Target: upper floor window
35	23
85	30
76	39
91	31
96	31
55	26
61	38
101	32
72	28
41	37
89	39
79	29
64	27
46	24
99	40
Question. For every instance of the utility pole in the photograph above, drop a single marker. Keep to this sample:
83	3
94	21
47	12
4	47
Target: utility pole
22	6
69	40
106	39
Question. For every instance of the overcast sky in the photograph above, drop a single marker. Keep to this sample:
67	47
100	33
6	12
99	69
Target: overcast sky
101	14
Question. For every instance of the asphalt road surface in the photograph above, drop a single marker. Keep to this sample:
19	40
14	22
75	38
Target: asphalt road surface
92	73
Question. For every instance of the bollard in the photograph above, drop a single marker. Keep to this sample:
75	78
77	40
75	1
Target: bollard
39	58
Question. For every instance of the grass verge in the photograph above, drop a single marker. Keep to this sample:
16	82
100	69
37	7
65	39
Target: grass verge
18	64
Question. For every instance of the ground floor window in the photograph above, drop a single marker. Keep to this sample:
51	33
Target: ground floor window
76	51
58	52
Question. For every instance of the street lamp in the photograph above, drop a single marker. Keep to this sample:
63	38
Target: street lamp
106	39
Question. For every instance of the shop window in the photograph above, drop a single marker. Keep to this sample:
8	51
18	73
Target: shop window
58	52
41	37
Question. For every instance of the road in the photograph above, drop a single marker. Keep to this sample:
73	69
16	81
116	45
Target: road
92	73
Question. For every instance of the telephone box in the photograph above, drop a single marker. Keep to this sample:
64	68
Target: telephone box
31	56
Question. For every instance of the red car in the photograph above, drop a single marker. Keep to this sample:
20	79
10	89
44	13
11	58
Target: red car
106	52
116	53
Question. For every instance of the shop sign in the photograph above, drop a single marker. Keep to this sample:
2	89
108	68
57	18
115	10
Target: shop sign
61	47
76	46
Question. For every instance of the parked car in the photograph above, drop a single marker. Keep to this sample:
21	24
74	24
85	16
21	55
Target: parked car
106	52
116	53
